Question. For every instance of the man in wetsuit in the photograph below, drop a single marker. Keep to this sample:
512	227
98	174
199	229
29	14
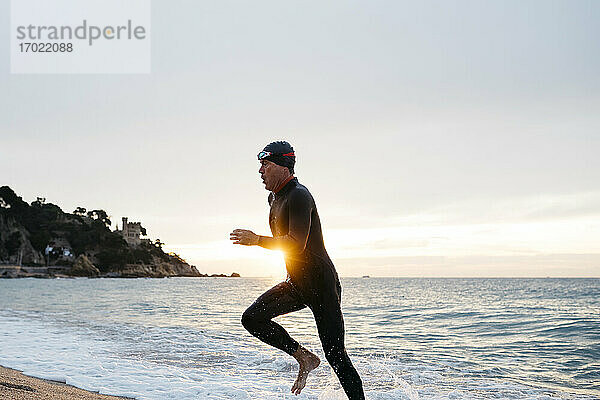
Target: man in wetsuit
312	279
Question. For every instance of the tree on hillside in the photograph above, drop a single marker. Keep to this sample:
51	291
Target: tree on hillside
39	202
13	202
80	211
100	215
177	257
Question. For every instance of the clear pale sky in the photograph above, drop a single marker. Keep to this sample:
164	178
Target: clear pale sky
446	138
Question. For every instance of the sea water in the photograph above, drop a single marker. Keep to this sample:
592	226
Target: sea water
181	338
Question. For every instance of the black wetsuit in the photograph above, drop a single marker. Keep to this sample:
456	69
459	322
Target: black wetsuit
312	281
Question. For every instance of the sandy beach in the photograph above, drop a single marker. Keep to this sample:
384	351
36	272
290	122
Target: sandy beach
16	386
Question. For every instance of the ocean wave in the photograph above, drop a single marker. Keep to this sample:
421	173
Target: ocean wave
169	347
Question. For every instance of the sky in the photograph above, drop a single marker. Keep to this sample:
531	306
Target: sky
438	138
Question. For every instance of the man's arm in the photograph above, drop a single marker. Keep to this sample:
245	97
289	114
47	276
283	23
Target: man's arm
300	209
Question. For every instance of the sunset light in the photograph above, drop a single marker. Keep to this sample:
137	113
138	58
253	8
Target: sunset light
311	200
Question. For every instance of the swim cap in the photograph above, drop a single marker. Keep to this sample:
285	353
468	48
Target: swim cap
280	153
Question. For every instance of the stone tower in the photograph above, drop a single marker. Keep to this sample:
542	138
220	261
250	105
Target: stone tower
131	231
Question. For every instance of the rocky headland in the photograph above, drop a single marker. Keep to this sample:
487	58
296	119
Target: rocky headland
40	240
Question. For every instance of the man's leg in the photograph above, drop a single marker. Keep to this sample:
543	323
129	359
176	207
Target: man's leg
257	319
330	324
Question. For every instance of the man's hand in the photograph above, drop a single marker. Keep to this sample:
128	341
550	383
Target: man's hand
243	236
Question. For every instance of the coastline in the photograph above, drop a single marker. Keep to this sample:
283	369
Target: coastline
14	385
134	271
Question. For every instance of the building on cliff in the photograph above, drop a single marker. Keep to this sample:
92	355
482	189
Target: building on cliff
131	232
60	248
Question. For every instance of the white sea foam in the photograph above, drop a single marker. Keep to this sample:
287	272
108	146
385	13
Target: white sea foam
81	357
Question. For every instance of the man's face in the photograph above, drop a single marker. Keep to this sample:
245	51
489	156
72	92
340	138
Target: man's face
272	174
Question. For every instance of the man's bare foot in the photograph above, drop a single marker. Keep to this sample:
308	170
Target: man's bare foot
308	361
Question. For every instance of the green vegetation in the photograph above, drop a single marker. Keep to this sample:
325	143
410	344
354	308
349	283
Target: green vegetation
87	232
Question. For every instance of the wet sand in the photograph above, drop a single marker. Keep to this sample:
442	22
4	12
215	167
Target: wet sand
16	386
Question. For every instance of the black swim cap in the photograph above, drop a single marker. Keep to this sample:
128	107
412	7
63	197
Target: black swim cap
280	153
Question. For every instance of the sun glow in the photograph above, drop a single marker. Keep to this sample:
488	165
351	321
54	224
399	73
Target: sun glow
571	236
209	256
519	231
